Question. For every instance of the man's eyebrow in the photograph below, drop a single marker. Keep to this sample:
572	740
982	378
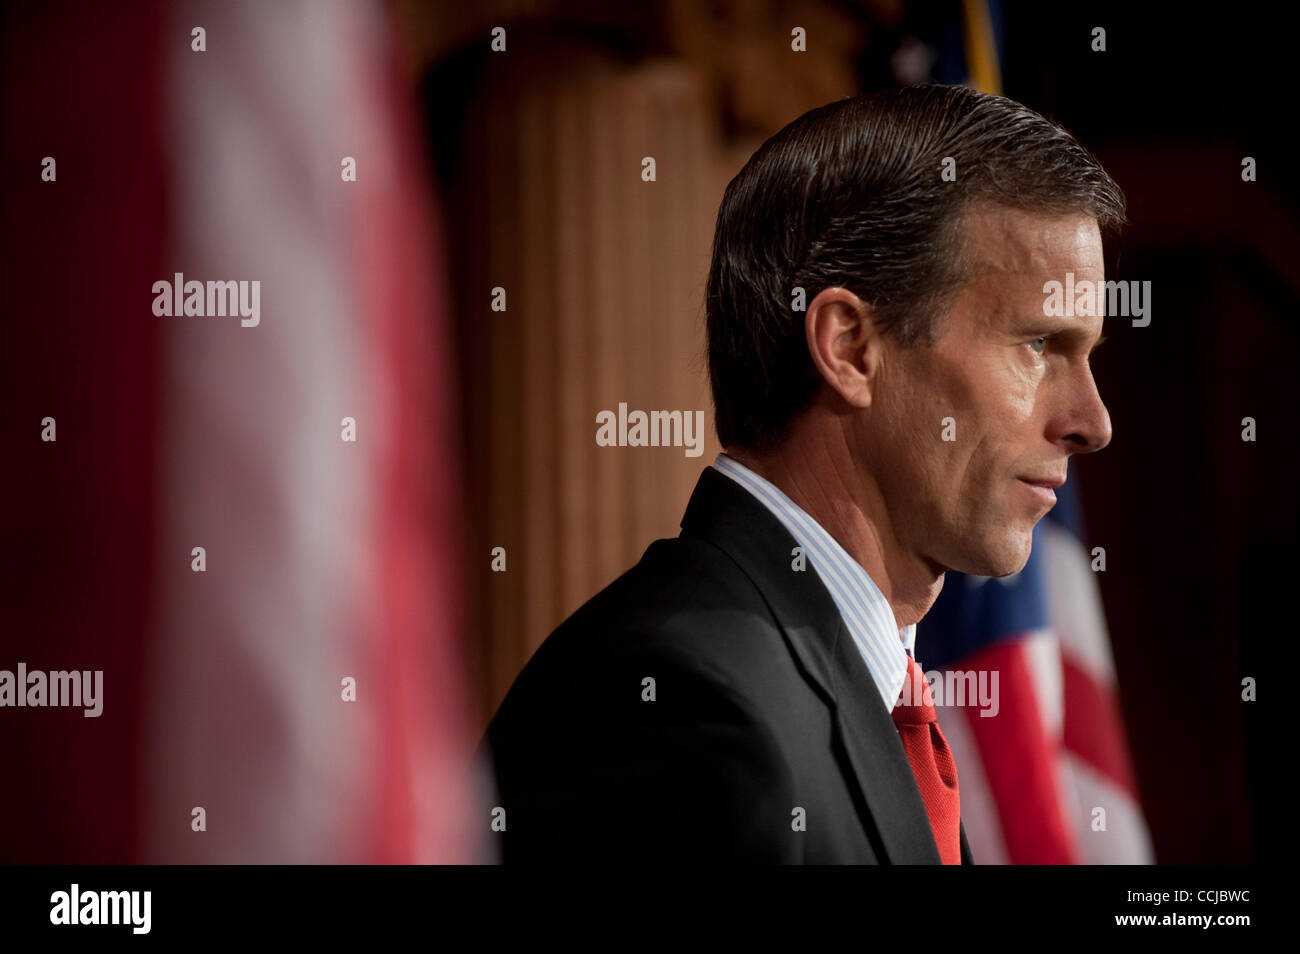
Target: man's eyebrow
1100	341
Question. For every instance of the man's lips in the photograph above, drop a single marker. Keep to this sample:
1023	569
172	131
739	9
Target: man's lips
1051	483
1043	488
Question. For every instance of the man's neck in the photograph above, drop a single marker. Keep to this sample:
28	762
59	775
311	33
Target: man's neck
821	477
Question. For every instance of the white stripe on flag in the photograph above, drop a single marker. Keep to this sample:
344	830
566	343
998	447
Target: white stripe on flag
1126	840
247	719
1042	652
1074	604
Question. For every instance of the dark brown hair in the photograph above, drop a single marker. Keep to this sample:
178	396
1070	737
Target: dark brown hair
850	194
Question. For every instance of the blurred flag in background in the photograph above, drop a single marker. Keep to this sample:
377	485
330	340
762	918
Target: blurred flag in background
1034	775
326	563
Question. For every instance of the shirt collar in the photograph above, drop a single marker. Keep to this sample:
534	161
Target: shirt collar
865	611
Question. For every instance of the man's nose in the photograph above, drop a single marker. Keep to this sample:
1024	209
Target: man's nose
1087	426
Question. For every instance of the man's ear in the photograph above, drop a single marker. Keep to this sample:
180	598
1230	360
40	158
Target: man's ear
843	343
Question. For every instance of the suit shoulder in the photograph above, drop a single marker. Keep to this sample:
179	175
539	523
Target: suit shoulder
672	575
685	612
685	599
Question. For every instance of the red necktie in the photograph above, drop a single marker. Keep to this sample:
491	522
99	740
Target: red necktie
932	763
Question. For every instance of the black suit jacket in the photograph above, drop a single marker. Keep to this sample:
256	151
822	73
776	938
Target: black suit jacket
707	705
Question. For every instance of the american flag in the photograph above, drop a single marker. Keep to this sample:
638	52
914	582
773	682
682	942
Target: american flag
1048	779
210	139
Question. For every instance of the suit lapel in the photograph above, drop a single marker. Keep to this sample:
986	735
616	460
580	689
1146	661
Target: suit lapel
723	512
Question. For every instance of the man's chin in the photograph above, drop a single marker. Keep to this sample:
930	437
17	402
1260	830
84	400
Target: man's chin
1011	572
997	562
1016	563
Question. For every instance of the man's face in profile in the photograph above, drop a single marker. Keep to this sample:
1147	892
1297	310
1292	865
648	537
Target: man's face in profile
1016	383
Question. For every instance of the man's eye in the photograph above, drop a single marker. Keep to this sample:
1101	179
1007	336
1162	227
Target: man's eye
1034	345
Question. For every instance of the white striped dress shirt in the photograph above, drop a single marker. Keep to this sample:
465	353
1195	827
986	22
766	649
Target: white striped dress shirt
865	611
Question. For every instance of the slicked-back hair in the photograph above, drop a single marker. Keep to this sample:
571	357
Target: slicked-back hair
852	194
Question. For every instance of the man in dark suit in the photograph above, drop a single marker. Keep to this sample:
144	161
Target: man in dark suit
896	399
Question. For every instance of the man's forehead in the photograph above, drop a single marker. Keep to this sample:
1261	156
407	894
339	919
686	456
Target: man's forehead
1006	241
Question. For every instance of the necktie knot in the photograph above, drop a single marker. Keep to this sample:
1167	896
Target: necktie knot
915	705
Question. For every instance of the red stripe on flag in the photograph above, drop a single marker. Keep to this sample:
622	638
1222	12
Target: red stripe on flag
1094	730
426	728
1019	760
